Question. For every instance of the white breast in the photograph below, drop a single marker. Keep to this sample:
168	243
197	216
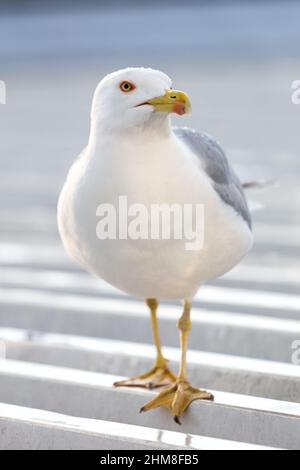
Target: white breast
163	172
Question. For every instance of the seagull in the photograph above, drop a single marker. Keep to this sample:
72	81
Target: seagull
134	152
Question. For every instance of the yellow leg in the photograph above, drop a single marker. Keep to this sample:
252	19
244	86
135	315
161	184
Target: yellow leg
178	397
159	375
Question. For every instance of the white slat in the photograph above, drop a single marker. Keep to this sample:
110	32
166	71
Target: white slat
29	428
213	331
210	370
211	296
62	390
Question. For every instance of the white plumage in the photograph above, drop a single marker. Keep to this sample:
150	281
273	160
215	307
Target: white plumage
134	152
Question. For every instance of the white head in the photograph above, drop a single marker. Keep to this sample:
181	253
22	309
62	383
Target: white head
135	97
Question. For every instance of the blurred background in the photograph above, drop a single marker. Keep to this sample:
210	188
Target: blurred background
236	60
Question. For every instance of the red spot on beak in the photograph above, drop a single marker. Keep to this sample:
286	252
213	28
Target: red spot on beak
179	108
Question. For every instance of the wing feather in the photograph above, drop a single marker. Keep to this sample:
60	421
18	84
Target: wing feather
215	163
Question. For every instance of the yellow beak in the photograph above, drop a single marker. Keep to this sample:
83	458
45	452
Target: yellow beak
173	101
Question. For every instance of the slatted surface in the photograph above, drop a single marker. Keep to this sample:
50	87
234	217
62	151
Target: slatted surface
66	336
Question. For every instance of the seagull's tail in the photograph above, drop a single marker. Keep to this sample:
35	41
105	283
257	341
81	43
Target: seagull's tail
258	184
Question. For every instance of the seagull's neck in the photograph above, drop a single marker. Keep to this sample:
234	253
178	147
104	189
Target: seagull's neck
154	130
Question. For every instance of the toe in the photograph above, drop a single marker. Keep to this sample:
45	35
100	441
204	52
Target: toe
128	383
155	378
164	398
206	396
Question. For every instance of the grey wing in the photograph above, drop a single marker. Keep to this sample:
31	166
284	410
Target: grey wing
225	181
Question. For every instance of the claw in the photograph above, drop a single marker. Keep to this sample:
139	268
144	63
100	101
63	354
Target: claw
177	420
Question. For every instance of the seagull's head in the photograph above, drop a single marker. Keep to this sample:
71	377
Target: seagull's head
136	97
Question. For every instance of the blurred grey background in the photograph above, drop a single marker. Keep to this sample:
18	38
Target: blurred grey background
237	61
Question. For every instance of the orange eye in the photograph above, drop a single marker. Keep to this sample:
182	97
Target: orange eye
126	86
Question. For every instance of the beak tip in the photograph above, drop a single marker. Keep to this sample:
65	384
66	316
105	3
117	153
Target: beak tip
181	108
